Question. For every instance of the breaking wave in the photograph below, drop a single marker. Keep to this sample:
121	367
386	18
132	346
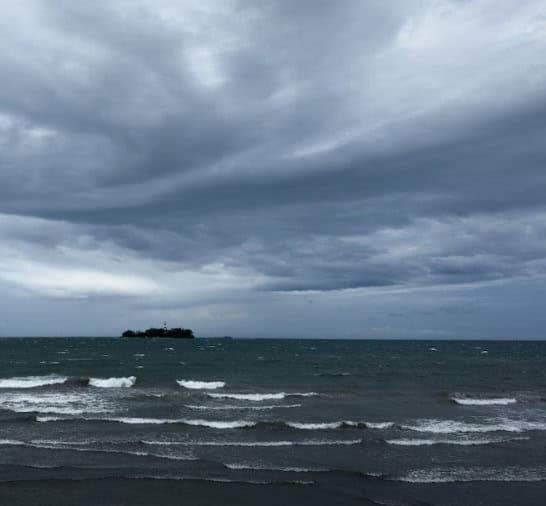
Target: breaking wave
113	382
31	381
454	427
155	421
339	425
252	408
325	442
458	442
11	442
497	401
201	385
262	397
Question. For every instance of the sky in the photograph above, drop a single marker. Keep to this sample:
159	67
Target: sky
272	168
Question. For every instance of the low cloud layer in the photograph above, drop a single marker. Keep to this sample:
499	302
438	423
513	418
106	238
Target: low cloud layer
239	167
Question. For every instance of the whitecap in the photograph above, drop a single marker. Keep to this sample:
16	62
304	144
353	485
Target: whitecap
316	426
220	424
11	442
321	442
378	425
31	381
257	467
251	408
494	401
113	382
338	425
494	425
458	442
237	424
261	397
201	385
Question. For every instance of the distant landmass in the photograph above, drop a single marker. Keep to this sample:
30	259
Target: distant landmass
177	333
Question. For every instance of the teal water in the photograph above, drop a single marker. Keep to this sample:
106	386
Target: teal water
409	414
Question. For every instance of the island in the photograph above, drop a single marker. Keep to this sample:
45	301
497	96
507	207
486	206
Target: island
177	333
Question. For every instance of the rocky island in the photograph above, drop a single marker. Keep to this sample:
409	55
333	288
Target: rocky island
177	333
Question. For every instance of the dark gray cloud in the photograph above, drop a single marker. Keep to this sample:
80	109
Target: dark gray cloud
216	161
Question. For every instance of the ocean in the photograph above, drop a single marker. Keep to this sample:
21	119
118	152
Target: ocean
100	421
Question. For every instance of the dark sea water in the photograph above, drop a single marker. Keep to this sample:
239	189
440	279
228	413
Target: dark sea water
216	421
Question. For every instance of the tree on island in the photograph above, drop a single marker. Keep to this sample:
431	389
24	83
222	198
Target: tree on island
177	332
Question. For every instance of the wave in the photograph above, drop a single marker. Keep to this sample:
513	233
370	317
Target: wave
31	381
454	427
220	425
322	442
219	480
316	426
262	397
469	474
74	446
113	382
339	425
378	425
64	403
252	408
458	442
201	385
497	401
155	421
255	467
11	442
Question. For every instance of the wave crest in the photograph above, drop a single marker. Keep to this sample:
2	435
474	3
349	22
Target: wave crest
454	427
262	397
113	382
494	401
458	442
201	385
31	381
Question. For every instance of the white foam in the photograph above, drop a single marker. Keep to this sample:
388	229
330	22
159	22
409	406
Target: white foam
257	467
316	426
113	382
201	385
468	474
453	427
221	424
458	442
53	403
231	407
31	381
494	401
378	425
326	442
11	442
338	425
156	421
261	397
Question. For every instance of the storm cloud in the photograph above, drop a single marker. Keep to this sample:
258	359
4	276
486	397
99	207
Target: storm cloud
274	168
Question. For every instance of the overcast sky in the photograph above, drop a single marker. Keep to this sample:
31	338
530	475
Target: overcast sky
274	168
